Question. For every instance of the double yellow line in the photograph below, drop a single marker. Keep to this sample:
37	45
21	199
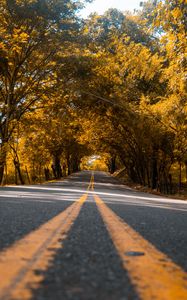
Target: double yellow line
91	184
152	273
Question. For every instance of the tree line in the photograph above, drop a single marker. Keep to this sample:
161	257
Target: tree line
113	84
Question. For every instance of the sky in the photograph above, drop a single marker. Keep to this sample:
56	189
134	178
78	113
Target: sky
100	6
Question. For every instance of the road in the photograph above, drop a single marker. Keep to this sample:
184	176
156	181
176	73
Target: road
89	237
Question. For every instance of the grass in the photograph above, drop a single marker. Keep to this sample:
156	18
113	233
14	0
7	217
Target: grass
121	175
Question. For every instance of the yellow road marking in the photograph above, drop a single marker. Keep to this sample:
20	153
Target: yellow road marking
88	188
91	184
23	264
153	274
92	181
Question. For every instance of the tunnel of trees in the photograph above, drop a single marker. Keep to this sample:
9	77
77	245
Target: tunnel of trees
111	84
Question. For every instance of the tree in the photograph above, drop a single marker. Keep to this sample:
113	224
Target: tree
31	36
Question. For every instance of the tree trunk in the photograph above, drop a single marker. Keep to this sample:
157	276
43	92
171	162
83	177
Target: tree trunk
27	175
154	179
133	174
18	171
148	177
40	173
75	166
47	174
180	176
2	162
170	184
57	170
2	167
16	177
154	174
68	161
113	164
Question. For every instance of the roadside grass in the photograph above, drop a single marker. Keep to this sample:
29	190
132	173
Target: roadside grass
122	176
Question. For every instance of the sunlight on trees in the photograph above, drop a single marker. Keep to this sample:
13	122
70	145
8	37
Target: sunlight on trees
112	85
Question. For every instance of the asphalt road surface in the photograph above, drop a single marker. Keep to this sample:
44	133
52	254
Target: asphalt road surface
90	237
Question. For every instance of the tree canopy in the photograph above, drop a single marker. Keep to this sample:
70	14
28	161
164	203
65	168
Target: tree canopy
111	85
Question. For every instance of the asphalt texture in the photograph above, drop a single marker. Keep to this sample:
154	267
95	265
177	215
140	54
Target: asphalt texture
87	265
162	222
24	209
